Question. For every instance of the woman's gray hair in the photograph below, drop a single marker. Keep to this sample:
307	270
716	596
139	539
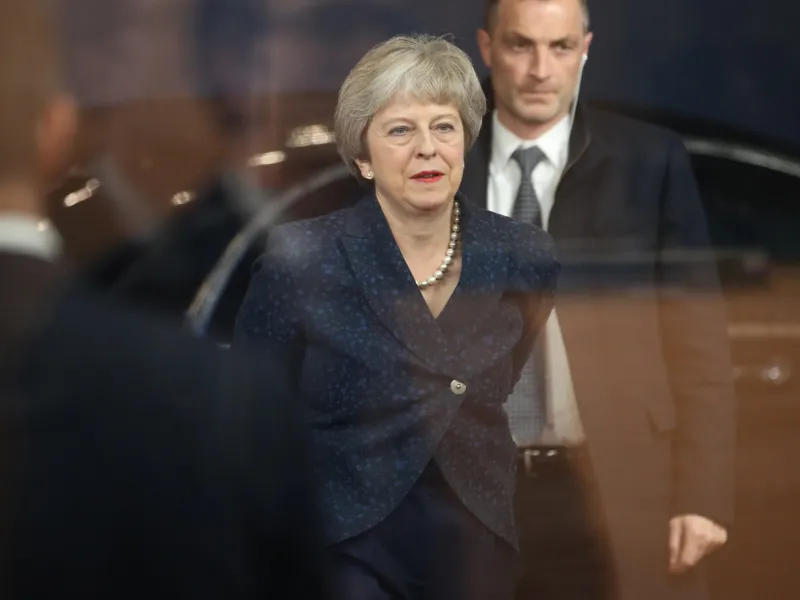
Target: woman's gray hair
422	67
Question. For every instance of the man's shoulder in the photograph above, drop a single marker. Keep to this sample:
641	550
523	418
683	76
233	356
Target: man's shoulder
621	131
103	319
126	349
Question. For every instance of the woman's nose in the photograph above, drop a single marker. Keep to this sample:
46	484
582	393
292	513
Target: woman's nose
426	147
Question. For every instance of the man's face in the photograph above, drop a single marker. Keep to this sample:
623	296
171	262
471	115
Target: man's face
534	50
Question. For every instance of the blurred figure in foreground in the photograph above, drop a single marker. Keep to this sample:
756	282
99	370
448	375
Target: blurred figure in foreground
243	56
164	273
626	425
407	319
133	462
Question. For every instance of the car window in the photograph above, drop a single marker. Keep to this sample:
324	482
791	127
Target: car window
751	209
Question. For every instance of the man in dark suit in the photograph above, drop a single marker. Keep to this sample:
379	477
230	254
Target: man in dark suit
626	468
134	461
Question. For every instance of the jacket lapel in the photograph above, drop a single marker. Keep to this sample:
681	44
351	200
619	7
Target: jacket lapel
387	284
476	166
586	154
573	207
484	276
389	288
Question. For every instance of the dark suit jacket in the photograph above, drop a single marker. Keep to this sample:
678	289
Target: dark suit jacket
136	462
645	332
376	369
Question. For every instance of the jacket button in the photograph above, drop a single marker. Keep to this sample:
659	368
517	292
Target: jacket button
457	387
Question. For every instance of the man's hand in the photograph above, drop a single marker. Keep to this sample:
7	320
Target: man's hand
691	537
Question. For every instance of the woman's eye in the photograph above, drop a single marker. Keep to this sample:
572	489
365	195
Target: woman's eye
445	127
398	130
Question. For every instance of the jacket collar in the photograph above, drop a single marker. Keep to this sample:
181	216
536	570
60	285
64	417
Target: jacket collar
387	284
585	151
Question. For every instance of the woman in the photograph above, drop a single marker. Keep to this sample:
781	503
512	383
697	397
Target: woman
407	319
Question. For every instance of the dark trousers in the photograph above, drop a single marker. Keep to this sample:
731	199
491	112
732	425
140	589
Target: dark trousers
563	542
430	548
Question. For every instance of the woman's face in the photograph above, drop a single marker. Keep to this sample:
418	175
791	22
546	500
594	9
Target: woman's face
416	154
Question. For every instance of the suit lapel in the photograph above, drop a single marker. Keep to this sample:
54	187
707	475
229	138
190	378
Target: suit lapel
387	284
484	275
476	166
389	288
586	154
573	206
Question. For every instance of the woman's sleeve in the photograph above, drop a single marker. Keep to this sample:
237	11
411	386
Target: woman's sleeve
269	320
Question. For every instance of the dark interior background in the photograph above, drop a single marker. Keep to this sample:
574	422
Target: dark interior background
732	63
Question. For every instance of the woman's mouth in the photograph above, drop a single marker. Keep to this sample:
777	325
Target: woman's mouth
428	176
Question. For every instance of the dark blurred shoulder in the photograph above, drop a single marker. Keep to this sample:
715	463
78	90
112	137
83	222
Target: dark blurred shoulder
623	135
114	351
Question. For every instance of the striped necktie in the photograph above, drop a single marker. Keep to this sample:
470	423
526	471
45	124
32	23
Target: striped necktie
527	404
527	207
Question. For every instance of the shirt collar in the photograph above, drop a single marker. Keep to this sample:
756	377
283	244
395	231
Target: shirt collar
554	143
25	234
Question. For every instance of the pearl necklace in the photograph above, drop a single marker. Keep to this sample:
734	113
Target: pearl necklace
448	256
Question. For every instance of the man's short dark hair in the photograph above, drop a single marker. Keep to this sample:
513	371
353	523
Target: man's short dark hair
490	13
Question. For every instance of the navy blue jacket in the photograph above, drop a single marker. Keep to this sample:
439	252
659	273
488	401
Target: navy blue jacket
379	373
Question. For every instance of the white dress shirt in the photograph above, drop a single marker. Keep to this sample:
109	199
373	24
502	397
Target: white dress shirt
25	234
504	180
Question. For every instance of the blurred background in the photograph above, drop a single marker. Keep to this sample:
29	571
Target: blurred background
722	74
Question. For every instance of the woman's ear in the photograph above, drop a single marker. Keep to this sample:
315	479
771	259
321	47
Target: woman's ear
365	168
